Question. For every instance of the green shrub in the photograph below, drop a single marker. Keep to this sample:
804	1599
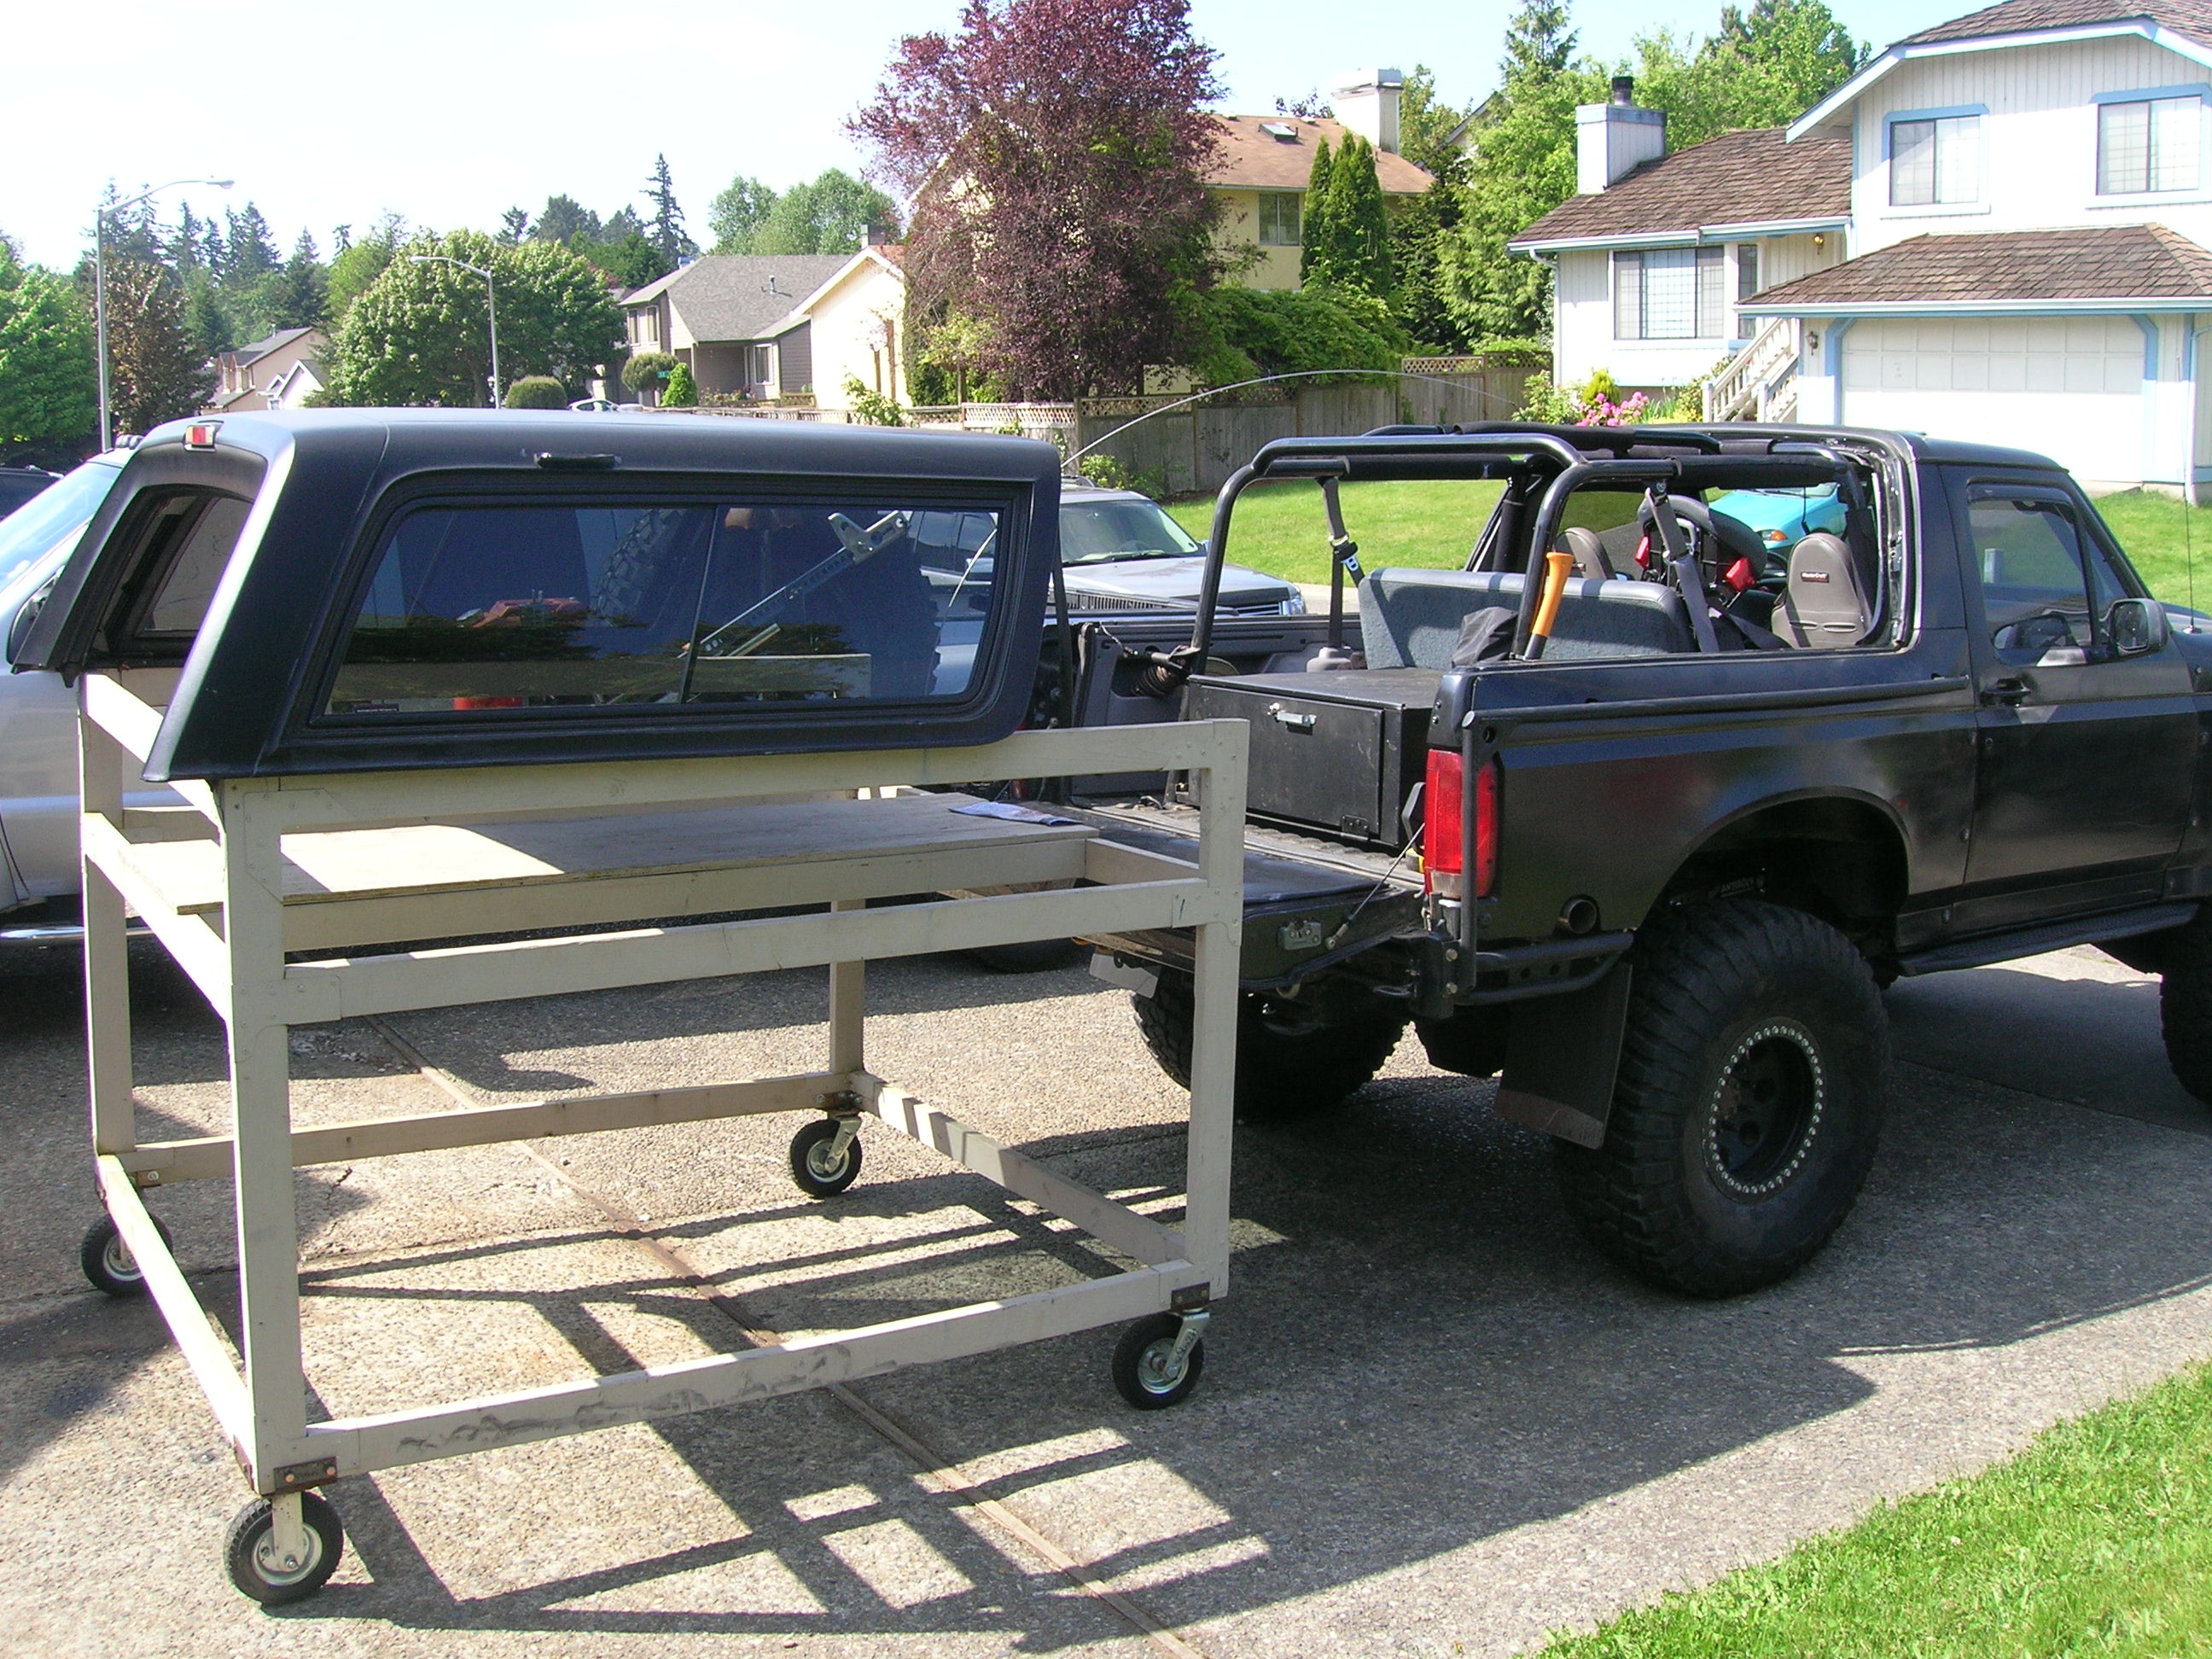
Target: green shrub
1109	473
536	391
648	371
1248	332
681	392
872	408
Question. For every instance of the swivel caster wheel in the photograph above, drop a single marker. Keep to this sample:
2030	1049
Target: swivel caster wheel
1159	1360
825	1156
262	1568
107	1261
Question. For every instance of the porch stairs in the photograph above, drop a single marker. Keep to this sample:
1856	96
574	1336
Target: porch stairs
1760	383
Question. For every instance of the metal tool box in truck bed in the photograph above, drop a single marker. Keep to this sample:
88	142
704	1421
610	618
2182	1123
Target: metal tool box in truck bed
1643	804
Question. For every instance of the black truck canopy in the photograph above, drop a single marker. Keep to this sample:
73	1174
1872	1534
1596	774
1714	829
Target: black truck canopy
377	589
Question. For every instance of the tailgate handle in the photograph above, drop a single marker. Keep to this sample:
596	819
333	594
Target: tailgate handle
1291	718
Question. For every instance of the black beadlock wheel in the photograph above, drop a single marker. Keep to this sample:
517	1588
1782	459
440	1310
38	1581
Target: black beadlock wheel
818	1174
2184	1002
250	1555
1143	1374
1293	1056
107	1261
1753	1078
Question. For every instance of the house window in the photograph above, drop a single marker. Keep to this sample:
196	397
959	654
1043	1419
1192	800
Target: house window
1935	161
1669	294
1278	218
2146	146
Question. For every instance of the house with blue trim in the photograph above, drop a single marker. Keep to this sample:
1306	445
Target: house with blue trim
2013	220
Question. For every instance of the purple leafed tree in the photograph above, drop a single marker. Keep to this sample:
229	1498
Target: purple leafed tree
1055	154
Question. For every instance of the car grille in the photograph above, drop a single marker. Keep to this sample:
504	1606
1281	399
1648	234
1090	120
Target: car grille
1081	601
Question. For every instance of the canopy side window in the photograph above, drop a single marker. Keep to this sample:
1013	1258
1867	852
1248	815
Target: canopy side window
179	542
667	604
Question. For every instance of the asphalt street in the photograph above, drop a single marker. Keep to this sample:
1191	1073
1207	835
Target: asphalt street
1433	1422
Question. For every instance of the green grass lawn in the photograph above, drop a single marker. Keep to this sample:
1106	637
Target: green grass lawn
1280	528
2096	1539
2157	532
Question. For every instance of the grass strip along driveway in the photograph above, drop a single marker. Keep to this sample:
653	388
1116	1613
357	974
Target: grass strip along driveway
2096	1539
1278	528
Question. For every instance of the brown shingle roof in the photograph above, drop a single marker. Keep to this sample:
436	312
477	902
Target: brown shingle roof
2189	18
2108	262
1250	158
1737	178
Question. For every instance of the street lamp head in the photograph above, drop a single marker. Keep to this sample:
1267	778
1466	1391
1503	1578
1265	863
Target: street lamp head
222	183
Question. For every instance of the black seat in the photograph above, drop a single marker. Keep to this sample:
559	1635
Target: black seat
1410	618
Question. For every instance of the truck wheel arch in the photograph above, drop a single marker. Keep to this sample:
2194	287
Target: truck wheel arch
1839	856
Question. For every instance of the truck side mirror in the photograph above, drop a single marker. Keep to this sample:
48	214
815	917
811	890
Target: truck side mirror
2135	628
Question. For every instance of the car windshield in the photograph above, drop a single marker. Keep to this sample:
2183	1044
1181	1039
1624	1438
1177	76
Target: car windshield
1099	532
56	515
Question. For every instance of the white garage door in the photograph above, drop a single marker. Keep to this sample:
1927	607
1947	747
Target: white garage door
2071	388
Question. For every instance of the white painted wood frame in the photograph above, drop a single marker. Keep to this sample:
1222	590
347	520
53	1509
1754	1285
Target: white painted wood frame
228	910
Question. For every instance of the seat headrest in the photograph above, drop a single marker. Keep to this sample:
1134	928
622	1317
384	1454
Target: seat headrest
1581	544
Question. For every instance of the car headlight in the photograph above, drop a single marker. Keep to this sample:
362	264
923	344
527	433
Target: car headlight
1296	604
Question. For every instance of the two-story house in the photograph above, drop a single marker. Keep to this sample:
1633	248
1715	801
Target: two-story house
279	372
2029	228
736	319
1262	164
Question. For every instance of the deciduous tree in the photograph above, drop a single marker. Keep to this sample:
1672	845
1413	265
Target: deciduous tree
47	392
1056	152
738	213
419	334
156	372
829	216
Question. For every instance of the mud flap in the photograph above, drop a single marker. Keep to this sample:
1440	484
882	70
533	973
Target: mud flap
1561	1058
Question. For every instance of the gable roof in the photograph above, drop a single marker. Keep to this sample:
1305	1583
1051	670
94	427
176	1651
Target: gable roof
741	296
887	257
2192	19
2100	268
1250	158
2181	26
261	348
1739	179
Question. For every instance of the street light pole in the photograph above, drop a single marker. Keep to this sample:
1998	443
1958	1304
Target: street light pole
100	288
491	305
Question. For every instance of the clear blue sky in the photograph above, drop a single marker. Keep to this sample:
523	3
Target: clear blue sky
450	112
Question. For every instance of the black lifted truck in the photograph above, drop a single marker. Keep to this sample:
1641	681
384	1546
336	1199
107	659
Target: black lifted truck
1644	804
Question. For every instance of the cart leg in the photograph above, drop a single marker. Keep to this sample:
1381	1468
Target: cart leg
848	1005
261	1110
107	954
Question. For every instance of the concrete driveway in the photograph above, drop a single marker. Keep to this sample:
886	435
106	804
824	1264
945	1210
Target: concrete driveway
1432	1422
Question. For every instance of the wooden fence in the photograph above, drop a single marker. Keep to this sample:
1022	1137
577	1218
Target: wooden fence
1189	447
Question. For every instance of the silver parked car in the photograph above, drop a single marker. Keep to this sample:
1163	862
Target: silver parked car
38	875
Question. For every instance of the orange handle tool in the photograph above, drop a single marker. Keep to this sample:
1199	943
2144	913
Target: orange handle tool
1556	568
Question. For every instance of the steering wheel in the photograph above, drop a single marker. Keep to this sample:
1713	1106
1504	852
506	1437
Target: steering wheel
1720	542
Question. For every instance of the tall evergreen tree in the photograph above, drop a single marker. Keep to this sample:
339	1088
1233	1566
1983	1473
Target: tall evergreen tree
1363	256
297	294
565	221
251	253
1318	217
514	225
666	231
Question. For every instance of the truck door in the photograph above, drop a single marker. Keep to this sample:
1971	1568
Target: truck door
2086	759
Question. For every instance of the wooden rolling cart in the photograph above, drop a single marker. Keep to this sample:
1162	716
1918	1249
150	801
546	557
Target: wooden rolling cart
346	867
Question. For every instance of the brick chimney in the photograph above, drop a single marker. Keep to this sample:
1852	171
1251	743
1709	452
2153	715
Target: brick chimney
1611	138
1366	101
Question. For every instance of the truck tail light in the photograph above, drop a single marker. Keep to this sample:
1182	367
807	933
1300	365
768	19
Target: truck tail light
1441	838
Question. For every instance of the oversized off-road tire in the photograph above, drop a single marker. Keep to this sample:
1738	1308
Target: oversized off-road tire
2184	1002
1754	1076
1293	1057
